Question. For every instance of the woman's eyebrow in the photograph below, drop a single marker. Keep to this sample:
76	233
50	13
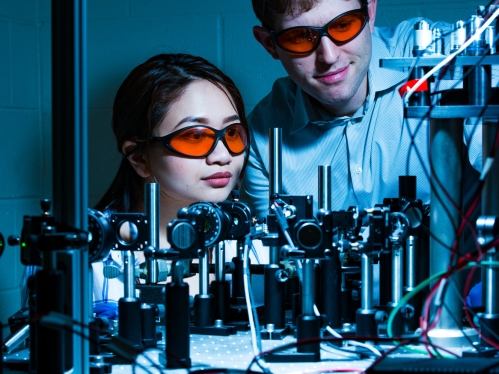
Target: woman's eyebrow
201	120
206	121
235	117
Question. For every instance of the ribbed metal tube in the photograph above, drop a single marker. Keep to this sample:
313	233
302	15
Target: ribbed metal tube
151	205
366	269
129	274
397	272
308	289
204	272
325	187
446	160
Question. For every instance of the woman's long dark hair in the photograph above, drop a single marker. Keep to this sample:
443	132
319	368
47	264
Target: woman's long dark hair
140	105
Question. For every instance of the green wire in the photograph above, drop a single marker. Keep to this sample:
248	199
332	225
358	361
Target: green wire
418	288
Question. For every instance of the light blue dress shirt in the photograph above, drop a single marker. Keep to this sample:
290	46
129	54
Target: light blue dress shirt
367	152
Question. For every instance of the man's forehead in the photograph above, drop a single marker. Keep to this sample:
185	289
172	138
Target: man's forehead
320	12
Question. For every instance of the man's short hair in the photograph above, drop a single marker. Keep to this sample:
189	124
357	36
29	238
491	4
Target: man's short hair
267	10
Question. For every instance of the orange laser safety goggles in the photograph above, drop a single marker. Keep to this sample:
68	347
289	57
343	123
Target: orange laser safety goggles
200	141
305	39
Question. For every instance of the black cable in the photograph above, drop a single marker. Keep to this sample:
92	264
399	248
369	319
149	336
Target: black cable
81	334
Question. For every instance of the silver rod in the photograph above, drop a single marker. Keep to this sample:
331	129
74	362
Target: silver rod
240	249
70	154
151	205
204	273
220	262
490	201
16	340
366	269
490	197
446	151
325	187
308	288
274	255
178	272
491	278
275	161
411	245
128	274
275	177
397	272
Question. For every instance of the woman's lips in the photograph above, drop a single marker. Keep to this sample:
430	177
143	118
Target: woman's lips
218	179
335	76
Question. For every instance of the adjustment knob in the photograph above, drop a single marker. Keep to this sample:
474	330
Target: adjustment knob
13	240
45	204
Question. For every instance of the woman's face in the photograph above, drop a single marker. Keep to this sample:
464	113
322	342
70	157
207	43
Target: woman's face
186	180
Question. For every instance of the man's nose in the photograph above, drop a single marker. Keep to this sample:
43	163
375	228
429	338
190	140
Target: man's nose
328	52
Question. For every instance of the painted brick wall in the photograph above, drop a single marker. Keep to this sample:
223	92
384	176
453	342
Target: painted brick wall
25	148
122	34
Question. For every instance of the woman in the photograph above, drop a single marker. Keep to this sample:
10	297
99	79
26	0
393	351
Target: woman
178	121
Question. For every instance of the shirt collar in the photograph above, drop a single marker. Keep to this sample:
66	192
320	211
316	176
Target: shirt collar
383	78
379	79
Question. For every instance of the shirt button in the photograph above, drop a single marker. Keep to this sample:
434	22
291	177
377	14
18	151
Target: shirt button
358	170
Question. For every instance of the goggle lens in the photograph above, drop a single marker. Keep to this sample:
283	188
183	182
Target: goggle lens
341	29
346	27
300	39
198	141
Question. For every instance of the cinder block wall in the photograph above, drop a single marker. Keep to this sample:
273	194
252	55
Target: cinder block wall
25	120
122	34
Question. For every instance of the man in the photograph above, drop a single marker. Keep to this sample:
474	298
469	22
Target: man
338	107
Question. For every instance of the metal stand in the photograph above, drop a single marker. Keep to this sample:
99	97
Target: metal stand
445	194
488	228
308	324
129	321
204	322
220	288
151	205
177	319
274	276
365	320
274	312
330	302
69	144
50	356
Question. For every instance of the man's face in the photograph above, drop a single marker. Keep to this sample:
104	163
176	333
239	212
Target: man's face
335	75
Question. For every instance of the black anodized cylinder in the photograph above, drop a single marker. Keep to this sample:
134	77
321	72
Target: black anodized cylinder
330	290
489	328
238	278
50	342
419	98
129	320
221	303
308	327
366	325
177	317
407	187
148	325
273	297
203	310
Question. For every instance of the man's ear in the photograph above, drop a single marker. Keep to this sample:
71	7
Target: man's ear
136	159
371	8
262	36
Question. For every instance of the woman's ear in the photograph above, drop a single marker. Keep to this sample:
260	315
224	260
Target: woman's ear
136	159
